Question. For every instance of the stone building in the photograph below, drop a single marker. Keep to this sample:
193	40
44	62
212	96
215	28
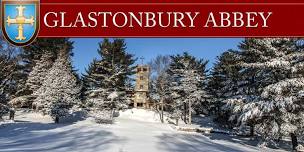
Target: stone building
141	90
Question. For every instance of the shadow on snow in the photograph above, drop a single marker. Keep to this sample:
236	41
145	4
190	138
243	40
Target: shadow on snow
36	137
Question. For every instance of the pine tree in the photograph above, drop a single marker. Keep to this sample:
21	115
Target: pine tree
278	108
187	86
33	53
107	79
252	52
34	81
39	72
35	60
223	84
9	70
60	90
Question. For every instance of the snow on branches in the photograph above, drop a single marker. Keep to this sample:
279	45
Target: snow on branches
60	90
187	84
38	74
106	81
272	86
102	102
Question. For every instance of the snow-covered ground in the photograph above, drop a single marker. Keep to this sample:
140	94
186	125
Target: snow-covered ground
133	131
140	115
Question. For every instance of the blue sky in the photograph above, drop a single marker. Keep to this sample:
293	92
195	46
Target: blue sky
85	49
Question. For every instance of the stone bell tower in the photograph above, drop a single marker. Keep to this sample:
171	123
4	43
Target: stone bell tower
142	86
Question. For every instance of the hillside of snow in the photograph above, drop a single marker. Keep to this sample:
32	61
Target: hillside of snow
134	130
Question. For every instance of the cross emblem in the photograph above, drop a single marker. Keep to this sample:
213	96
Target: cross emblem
20	20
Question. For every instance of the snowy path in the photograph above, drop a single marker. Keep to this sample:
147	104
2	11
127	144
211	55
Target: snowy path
35	133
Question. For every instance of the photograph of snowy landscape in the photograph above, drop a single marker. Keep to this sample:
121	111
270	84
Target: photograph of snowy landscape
152	95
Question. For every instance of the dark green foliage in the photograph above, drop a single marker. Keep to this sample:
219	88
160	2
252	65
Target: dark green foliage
109	73
114	67
224	83
9	70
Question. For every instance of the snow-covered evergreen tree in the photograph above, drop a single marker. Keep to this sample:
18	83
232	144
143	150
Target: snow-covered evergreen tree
32	54
252	51
270	90
38	74
9	70
34	81
60	90
187	86
278	110
223	84
108	76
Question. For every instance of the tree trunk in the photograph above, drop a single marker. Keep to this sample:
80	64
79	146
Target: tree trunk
280	137
162	110
185	113
251	130
56	119
190	113
12	115
294	141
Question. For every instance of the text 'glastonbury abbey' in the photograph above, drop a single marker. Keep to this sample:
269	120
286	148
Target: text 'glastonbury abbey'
157	19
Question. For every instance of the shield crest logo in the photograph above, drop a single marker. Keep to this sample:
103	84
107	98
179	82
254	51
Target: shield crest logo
20	21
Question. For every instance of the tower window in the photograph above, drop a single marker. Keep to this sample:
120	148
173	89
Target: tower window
141	77
141	87
144	69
